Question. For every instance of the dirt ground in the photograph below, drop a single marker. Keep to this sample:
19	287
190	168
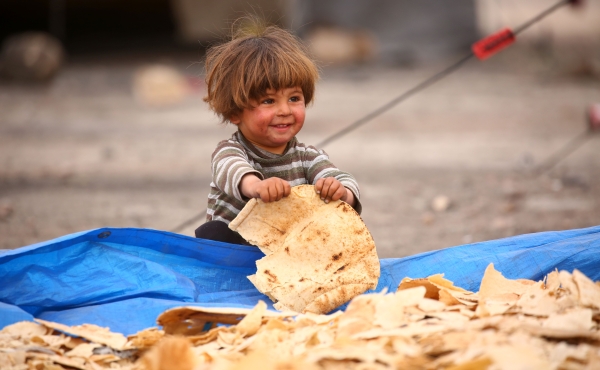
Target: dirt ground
82	153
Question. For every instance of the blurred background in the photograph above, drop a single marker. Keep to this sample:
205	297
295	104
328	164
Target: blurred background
102	121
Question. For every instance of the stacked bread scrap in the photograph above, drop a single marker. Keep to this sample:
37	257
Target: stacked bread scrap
427	323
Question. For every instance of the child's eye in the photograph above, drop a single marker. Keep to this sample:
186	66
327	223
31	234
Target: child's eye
295	99
268	101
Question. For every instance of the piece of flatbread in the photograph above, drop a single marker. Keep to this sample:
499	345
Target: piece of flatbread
190	320
318	255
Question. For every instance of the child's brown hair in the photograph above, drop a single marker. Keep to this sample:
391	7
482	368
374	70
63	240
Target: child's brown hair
257	58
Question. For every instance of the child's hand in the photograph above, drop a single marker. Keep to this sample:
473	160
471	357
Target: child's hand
330	188
269	190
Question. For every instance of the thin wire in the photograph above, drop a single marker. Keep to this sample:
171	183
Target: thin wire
574	144
189	222
540	16
407	94
430	81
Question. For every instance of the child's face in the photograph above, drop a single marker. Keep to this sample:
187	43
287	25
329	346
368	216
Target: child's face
275	119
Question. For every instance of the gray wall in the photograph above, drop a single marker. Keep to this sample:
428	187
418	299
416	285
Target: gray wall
408	31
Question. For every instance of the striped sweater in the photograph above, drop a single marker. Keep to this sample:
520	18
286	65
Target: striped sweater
299	164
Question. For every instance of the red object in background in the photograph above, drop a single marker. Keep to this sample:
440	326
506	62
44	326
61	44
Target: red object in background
576	2
594	116
492	44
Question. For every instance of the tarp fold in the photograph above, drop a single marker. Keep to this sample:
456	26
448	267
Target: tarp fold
124	278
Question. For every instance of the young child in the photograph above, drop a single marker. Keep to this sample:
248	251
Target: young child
261	81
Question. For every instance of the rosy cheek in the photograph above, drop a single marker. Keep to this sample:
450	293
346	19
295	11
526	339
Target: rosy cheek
265	119
299	114
264	115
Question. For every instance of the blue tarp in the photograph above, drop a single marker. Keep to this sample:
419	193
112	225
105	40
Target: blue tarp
124	278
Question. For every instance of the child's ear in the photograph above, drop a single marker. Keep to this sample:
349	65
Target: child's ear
235	119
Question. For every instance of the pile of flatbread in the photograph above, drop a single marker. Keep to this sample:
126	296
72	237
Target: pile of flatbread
318	255
428	323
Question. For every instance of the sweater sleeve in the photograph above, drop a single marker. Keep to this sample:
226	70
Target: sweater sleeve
229	164
319	166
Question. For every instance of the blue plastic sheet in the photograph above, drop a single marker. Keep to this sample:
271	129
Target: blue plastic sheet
124	278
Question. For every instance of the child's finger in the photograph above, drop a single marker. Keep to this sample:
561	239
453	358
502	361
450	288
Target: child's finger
263	194
287	188
339	193
269	191
280	189
272	191
324	193
276	191
330	186
334	190
319	185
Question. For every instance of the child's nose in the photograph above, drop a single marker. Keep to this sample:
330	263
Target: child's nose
284	109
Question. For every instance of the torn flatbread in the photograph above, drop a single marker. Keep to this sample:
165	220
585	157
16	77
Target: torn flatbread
318	255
